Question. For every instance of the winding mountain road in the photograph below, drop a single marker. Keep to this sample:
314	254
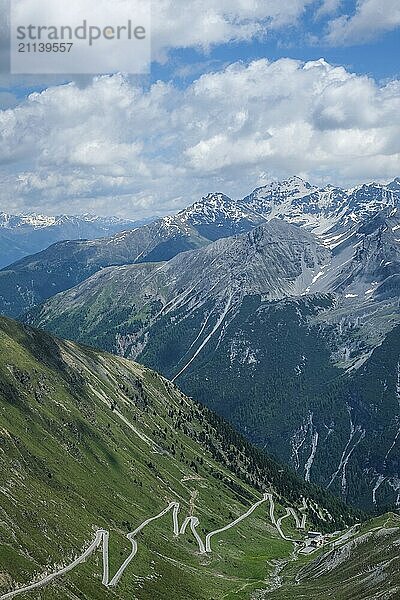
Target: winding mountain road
236	522
102	539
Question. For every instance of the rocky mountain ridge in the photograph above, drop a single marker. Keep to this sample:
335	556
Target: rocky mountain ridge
214	319
32	280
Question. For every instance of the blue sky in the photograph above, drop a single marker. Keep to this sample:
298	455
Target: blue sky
378	58
303	40
254	102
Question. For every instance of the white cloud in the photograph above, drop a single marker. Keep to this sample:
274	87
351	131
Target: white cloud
371	19
99	55
204	23
114	147
328	7
174	24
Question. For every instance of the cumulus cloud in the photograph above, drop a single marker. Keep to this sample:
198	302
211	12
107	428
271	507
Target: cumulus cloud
114	147
371	19
203	23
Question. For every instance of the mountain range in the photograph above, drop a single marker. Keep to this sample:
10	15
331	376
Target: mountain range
276	311
329	212
25	234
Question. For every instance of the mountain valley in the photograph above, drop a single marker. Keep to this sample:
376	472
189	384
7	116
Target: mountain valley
279	330
277	327
93	445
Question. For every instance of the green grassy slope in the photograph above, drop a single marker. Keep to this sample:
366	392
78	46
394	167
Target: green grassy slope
91	441
278	394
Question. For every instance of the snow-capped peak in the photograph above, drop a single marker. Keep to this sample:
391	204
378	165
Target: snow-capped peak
293	187
40	221
328	211
9	221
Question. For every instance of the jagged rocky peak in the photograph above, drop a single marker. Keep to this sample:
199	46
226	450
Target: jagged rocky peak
280	191
216	198
215	202
395	185
296	201
219	211
213	199
371	197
